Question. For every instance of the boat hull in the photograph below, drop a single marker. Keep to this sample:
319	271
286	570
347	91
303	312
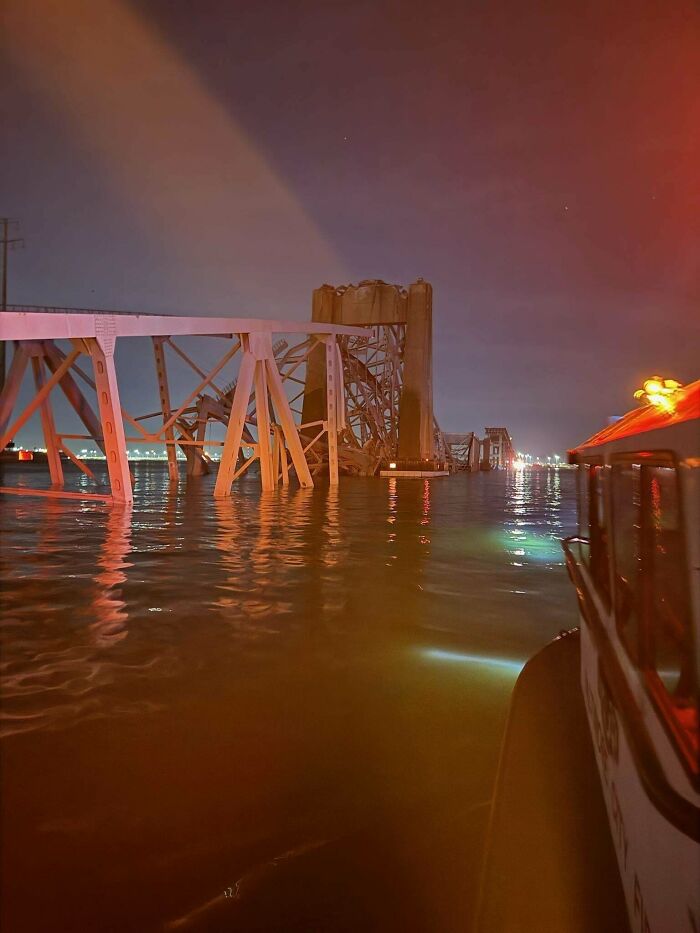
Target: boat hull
550	860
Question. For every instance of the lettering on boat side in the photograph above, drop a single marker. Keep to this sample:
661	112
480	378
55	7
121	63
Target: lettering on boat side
619	823
610	728
605	729
607	745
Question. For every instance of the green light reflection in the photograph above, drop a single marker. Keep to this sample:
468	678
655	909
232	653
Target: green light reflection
439	654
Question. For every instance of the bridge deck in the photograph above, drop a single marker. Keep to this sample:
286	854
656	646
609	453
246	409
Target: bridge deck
64	324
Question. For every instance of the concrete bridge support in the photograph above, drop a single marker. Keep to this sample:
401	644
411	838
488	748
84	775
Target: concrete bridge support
416	419
392	381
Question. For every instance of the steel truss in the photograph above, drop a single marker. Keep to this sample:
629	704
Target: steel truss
367	408
373	369
373	375
460	451
254	407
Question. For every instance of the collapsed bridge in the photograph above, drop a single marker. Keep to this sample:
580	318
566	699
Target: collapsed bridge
348	392
257	411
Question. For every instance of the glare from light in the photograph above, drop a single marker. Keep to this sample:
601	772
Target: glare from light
392	466
133	100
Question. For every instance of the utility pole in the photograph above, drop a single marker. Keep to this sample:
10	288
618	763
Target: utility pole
7	243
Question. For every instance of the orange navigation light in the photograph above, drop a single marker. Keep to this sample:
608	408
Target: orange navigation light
659	392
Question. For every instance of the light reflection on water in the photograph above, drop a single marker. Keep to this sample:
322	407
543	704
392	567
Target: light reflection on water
458	657
211	685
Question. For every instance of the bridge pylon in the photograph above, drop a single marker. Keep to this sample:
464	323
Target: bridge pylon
388	374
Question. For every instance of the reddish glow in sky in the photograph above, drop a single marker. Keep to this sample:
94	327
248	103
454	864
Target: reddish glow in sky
539	167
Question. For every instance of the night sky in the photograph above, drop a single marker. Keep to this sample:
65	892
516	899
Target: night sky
537	162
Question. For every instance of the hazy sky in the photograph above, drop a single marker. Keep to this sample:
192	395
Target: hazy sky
537	162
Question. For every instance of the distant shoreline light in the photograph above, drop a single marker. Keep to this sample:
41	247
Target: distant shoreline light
133	456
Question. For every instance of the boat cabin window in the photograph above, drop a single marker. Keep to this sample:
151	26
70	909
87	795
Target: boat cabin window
599	560
627	518
583	496
593	525
670	654
651	600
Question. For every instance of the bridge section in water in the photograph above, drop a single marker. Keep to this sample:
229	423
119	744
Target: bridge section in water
254	406
349	392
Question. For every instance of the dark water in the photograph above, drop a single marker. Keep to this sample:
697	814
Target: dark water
295	699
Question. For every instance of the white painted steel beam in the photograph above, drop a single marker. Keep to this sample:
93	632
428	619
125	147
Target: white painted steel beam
236	423
54	357
164	393
48	426
20	358
285	419
37	325
332	395
102	352
262	411
9	433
